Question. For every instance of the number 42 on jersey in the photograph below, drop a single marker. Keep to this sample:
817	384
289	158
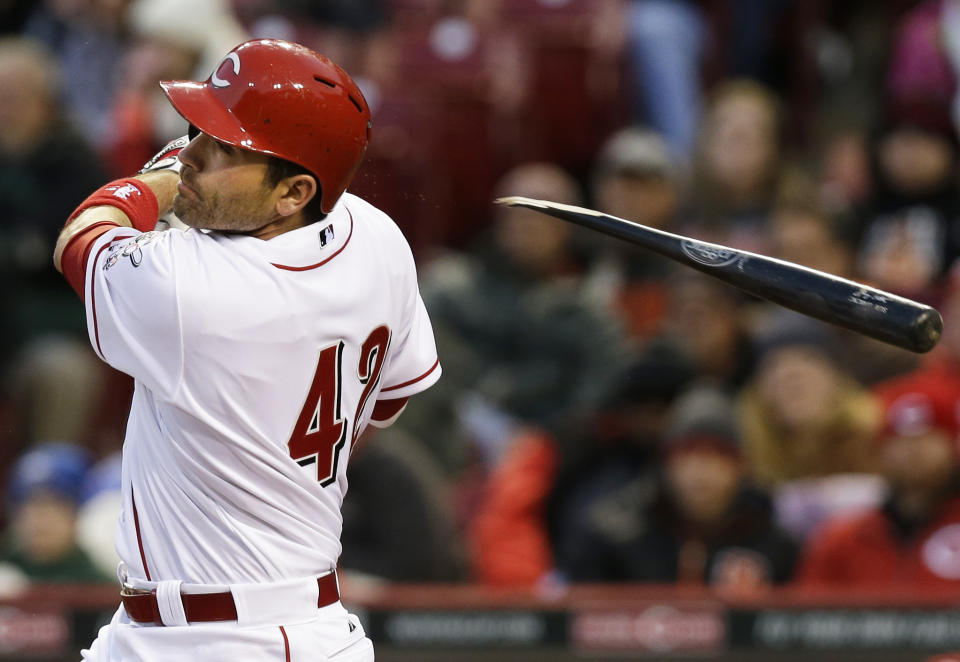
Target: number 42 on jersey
321	430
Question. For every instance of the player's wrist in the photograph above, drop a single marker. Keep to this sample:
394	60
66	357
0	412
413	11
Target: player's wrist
163	184
131	197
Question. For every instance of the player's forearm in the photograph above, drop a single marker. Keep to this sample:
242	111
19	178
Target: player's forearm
117	212
136	203
163	183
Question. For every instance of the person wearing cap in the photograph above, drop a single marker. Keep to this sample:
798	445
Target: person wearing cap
705	524
911	539
635	177
43	494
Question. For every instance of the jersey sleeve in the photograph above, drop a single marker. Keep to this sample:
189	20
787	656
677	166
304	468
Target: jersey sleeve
413	365
133	316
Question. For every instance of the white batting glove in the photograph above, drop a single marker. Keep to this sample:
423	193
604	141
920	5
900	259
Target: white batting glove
167	158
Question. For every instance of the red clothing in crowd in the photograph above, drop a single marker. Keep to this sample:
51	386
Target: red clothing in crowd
866	550
508	538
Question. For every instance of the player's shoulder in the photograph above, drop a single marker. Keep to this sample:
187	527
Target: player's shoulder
380	234
371	217
360	207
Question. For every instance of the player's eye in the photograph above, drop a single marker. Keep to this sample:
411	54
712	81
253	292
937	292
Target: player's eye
227	149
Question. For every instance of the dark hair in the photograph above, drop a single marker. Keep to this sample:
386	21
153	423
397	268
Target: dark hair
279	169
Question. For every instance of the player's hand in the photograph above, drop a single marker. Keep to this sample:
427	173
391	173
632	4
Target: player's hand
167	158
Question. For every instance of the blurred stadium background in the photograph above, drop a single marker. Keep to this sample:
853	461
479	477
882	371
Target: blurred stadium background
623	459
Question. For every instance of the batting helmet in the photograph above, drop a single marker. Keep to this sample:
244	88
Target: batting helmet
285	100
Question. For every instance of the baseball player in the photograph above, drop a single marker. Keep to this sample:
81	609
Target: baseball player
262	340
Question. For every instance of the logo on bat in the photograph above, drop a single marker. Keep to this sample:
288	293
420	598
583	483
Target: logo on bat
709	255
867	298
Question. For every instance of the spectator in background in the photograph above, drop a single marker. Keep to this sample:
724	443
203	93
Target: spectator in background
43	494
802	416
410	539
845	177
704	524
546	481
908	228
739	169
803	232
666	39
173	40
707	323
46	169
911	540
511	320
87	38
635	178
100	504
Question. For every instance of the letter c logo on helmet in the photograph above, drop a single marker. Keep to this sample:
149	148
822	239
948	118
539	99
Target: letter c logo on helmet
285	101
215	79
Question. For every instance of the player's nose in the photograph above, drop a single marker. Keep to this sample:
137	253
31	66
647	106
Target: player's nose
189	155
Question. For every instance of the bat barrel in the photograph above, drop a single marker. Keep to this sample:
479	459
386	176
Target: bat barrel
861	308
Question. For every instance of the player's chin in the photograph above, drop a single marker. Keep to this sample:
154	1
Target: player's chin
185	211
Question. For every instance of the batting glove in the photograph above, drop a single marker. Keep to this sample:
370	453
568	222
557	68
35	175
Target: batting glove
167	158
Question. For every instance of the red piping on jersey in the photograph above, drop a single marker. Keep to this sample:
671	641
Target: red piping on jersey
286	643
320	264
93	296
415	380
136	525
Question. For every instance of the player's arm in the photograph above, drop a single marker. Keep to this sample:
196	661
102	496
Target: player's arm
134	202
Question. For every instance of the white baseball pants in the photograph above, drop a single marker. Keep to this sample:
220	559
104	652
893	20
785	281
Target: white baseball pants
327	634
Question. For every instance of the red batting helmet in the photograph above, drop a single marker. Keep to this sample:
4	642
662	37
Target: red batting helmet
285	100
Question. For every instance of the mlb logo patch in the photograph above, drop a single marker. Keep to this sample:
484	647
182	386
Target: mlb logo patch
326	236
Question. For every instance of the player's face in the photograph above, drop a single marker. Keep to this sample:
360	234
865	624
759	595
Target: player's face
223	187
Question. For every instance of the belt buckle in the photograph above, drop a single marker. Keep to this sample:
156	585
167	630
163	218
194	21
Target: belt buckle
126	588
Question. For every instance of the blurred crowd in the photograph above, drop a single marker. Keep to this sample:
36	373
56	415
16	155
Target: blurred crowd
604	415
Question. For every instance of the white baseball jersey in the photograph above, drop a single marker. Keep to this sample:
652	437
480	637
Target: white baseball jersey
257	364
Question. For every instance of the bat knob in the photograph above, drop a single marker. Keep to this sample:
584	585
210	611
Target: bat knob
926	331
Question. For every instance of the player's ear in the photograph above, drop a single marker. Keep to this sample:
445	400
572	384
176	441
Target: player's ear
296	192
